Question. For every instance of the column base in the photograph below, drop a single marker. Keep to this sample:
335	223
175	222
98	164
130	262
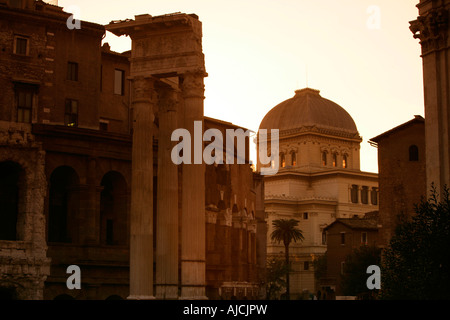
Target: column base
167	292
140	297
193	293
194	298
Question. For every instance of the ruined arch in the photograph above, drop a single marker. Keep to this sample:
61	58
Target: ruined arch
12	194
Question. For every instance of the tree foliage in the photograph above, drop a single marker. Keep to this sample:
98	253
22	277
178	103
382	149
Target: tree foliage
355	275
320	267
275	276
286	231
416	264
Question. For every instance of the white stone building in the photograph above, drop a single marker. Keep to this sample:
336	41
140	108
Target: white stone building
319	178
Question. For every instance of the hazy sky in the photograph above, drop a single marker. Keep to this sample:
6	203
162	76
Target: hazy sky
359	54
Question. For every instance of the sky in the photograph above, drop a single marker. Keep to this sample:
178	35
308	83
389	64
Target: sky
358	53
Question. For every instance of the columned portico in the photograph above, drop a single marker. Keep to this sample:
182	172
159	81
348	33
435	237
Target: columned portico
167	48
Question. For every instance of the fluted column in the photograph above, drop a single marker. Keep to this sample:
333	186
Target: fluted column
167	200
432	28
141	215
193	194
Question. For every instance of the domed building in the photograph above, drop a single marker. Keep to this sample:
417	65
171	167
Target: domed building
318	180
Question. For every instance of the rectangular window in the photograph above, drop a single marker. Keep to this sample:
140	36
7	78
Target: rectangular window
21	45
365	195
306	265
24	103
71	113
305	215
324	237
354	193
103	126
374	196
72	71
363	237
119	79
342	238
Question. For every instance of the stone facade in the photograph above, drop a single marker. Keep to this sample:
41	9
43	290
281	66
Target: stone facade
71	115
24	265
401	151
319	178
345	235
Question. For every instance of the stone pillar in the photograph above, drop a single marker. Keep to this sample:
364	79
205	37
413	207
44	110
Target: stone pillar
193	195
90	234
141	215
432	29
167	200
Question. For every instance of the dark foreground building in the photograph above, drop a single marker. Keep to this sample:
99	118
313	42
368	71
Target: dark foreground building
66	130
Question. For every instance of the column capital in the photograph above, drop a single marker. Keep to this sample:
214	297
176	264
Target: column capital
431	29
192	85
168	99
143	89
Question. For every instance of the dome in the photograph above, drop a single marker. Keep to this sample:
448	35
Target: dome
308	109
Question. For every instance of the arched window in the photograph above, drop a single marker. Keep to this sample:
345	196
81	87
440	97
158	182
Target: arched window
413	153
334	159
9	199
344	161
63	204
113	209
293	158
324	158
282	160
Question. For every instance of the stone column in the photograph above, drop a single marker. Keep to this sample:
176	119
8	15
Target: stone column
432	28
167	200
141	214
193	195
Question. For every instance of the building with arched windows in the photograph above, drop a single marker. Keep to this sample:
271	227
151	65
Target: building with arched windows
68	117
319	178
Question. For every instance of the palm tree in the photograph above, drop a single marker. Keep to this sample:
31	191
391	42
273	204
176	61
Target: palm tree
286	231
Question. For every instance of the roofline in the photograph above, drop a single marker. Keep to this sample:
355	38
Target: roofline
416	119
324	173
224	123
342	221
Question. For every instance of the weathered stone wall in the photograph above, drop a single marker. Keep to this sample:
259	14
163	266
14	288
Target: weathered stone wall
24	265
